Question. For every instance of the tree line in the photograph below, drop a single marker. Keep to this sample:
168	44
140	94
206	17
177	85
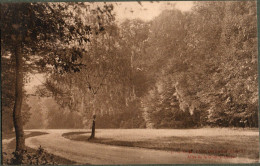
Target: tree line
179	70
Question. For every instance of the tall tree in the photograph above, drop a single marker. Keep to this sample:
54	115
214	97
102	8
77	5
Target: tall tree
96	62
32	32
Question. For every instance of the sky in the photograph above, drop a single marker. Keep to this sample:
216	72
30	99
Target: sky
34	80
127	10
147	10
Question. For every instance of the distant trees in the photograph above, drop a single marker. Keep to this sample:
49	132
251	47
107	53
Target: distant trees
46	114
7	84
8	93
108	85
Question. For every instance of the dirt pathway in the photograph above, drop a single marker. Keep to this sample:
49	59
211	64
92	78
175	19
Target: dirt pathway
84	152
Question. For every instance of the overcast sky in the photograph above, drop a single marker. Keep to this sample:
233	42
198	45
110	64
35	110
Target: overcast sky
147	10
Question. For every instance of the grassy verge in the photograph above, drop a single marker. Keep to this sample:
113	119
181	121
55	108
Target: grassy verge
10	147
230	146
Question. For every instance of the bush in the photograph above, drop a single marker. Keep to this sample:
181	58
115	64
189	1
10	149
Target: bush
39	157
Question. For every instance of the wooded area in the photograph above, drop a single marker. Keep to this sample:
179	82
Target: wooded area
179	70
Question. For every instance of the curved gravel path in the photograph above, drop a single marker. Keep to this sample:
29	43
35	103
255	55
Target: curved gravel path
91	153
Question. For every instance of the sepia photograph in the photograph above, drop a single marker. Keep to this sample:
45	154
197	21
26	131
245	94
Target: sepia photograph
129	82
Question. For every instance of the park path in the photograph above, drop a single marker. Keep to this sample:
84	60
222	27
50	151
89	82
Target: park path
92	153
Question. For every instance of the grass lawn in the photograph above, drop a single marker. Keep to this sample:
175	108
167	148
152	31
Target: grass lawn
219	142
10	147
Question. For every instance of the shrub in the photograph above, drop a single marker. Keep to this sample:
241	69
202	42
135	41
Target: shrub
39	157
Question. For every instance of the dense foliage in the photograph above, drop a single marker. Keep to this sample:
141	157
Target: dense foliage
179	70
212	68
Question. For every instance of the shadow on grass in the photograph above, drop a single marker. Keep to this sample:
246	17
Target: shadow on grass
74	133
230	146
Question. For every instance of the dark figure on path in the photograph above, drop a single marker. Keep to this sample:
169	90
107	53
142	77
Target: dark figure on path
93	128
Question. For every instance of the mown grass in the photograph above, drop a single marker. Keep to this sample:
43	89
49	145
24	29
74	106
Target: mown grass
7	150
245	146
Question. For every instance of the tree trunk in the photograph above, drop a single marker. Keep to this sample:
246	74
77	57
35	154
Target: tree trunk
93	128
17	116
